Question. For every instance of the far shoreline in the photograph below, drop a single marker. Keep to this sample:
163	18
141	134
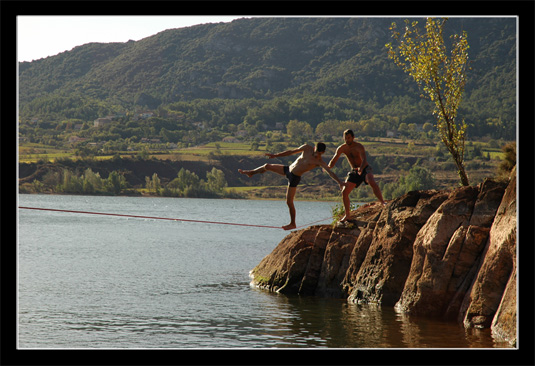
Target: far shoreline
144	195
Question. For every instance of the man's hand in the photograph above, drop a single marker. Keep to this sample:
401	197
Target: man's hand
342	185
271	156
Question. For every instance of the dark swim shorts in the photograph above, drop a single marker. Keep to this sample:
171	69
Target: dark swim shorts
357	178
293	180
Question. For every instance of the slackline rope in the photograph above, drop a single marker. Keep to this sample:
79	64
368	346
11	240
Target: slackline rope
163	218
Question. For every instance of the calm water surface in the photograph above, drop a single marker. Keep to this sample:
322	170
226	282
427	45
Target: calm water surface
91	281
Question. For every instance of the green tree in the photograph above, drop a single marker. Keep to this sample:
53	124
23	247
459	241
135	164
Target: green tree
92	182
418	178
509	158
116	182
71	183
184	179
442	77
427	127
299	131
216	181
153	184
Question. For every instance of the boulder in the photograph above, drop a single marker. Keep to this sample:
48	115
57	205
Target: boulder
494	287
447	248
382	274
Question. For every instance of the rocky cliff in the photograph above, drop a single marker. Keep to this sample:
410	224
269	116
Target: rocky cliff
450	254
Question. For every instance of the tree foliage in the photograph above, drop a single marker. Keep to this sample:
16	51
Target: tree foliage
87	183
441	77
509	159
418	178
188	184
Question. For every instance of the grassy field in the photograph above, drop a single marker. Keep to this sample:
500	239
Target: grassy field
31	153
225	148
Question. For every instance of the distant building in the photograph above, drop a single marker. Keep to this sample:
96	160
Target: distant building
143	115
76	139
145	140
231	139
99	122
146	115
390	133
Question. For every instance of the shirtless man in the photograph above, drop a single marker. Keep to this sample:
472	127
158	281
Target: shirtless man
361	171
310	158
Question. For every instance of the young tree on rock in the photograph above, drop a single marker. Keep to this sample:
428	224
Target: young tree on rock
442	77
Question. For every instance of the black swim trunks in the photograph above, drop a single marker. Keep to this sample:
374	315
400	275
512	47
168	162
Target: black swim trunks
293	180
357	178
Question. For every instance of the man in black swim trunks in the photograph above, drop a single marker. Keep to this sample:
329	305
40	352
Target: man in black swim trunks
310	158
361	172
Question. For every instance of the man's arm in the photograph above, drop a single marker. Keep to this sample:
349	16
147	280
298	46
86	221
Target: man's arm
335	157
331	173
364	162
289	152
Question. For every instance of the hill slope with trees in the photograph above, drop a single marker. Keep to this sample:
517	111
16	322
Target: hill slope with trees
264	71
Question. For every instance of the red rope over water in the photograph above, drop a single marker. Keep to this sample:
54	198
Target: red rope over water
160	218
315	222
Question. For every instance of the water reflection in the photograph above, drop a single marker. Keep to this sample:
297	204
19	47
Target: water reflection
316	322
428	332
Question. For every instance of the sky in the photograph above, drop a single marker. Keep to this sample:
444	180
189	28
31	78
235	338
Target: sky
44	36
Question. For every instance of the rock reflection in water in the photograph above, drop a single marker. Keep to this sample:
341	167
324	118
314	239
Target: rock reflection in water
334	323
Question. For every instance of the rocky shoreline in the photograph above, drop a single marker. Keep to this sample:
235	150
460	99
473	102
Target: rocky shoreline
448	254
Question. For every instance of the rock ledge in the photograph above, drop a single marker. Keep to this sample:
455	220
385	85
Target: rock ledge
450	254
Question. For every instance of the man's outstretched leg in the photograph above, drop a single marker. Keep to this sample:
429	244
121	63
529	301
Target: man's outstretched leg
275	168
290	194
375	187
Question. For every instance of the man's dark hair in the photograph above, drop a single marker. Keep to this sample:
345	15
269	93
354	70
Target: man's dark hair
349	132
320	147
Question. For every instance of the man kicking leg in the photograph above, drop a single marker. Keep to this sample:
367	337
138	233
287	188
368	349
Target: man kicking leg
310	158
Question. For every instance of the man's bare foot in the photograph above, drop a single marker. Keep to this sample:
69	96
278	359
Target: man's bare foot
289	227
248	173
345	218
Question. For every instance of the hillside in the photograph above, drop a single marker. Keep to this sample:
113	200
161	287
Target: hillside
265	71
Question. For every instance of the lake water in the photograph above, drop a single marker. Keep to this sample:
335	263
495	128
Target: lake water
92	281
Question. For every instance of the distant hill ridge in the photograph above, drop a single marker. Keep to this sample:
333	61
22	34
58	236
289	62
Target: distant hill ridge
266	58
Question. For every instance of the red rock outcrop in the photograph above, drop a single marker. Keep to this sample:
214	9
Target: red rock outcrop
450	254
491	300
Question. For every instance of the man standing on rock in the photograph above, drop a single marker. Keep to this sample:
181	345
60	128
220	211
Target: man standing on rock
310	158
360	170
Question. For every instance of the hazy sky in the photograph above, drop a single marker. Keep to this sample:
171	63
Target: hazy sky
43	36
